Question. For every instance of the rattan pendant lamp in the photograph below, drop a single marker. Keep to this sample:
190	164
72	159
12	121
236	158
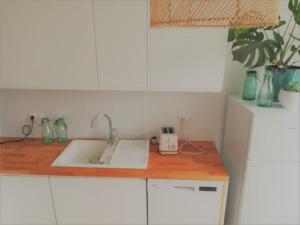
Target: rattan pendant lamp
232	13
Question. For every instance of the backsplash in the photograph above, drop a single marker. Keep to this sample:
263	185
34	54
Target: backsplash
134	114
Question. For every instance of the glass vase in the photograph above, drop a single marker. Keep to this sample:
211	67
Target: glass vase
47	134
249	90
265	95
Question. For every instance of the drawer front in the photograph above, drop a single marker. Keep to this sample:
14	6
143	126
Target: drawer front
184	202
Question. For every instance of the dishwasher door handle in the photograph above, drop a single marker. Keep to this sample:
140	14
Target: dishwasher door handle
185	188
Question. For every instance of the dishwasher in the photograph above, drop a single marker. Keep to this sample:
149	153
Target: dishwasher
186	202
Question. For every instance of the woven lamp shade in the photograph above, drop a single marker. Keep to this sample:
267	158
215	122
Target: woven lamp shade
232	13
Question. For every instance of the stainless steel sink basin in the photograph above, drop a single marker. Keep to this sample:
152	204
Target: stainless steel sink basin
97	154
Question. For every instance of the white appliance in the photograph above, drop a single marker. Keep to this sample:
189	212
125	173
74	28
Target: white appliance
168	141
261	152
186	202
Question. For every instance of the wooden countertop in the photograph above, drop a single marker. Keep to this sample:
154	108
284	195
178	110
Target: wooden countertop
31	157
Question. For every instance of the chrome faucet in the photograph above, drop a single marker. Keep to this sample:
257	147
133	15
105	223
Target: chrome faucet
112	139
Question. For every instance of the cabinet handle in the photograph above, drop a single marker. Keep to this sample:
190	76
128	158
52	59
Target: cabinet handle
211	189
187	188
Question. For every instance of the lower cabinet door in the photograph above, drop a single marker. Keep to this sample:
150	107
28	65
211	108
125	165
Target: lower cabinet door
26	200
185	202
123	201
93	201
76	200
270	194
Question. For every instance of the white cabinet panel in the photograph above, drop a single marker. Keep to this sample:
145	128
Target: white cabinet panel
123	202
271	194
76	200
26	200
184	59
275	136
47	44
121	36
89	201
0	200
185	202
261	151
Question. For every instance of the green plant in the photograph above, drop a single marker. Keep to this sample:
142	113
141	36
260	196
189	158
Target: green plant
255	47
293	87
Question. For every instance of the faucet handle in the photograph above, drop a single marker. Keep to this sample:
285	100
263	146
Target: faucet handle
115	135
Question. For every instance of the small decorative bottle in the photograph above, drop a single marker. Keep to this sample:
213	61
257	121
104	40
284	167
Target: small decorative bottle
249	90
265	96
47	134
61	130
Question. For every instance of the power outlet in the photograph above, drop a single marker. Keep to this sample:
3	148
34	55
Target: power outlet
182	120
37	116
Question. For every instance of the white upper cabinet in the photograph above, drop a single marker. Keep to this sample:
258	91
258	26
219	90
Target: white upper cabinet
121	40
26	200
47	44
106	45
186	59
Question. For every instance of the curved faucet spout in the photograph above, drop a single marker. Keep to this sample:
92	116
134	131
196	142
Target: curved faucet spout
101	115
104	115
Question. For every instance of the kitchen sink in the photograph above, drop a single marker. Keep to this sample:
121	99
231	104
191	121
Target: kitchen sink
131	154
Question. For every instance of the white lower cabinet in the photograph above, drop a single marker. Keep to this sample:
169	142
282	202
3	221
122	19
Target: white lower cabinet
99	201
26	200
172	202
76	200
123	201
40	200
0	200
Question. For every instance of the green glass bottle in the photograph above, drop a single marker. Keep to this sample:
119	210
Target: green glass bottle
265	96
47	134
249	90
61	130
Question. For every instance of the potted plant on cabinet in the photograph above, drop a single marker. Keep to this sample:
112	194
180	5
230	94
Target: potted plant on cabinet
277	48
289	97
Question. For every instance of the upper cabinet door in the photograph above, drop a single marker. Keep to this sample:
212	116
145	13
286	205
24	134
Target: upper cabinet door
47	44
187	59
121	39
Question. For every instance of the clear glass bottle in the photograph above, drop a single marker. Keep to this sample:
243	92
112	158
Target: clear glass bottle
249	90
61	130
265	96
47	134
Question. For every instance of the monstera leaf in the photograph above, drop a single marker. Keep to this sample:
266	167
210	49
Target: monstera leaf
255	47
294	7
234	33
252	50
